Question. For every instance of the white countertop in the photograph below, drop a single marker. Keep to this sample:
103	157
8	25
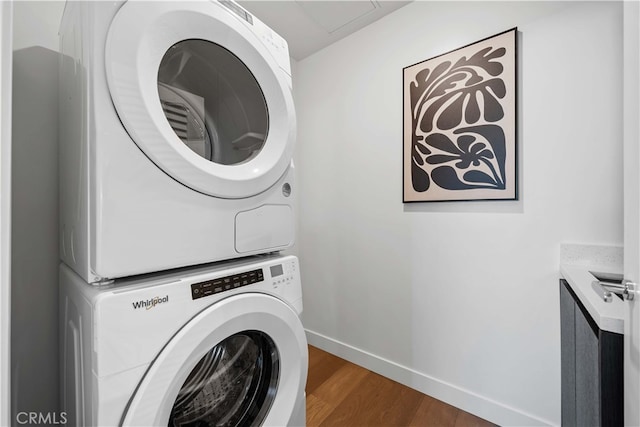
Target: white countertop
609	316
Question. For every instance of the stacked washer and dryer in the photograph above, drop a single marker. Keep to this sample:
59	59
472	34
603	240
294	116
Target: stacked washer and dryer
177	193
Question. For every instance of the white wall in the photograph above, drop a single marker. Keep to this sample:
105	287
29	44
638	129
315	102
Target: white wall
459	299
34	249
6	57
36	23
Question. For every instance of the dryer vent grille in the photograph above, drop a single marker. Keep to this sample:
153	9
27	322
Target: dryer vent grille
178	117
185	113
177	114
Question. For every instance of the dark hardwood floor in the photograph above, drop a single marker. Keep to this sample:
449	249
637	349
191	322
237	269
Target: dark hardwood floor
340	393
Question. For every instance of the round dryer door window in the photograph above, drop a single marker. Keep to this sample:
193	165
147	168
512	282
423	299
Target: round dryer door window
234	384
201	95
222	118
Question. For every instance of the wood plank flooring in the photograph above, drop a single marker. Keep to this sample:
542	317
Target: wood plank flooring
340	393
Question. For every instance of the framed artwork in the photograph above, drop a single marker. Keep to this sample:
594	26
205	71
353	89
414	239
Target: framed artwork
459	113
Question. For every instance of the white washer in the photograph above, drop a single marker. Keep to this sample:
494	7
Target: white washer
217	345
177	129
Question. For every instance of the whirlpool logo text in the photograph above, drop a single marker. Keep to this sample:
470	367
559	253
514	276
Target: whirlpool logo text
150	303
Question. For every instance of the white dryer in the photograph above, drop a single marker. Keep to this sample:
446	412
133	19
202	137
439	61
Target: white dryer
216	345
177	129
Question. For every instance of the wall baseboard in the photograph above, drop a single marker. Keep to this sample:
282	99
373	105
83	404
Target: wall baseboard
466	400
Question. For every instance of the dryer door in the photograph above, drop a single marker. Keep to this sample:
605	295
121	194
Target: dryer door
241	362
201	95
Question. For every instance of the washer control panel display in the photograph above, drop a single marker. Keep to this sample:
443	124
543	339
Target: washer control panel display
276	270
283	274
221	284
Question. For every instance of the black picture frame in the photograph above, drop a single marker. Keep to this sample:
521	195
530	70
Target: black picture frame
460	123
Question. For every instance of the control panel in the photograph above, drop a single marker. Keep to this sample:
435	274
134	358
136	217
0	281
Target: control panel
276	44
283	274
275	276
221	284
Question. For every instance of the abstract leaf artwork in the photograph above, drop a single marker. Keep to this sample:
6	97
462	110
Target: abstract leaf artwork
460	123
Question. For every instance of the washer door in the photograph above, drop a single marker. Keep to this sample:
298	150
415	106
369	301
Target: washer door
201	96
241	362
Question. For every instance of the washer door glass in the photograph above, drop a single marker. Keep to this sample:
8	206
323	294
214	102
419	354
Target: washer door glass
234	384
219	366
212	102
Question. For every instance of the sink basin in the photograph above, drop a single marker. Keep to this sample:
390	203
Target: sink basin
608	277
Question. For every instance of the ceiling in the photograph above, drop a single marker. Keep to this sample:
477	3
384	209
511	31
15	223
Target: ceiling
310	25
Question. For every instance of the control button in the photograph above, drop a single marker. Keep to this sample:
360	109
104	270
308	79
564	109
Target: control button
221	284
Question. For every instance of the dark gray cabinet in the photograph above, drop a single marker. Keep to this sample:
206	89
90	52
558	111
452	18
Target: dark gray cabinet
591	366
